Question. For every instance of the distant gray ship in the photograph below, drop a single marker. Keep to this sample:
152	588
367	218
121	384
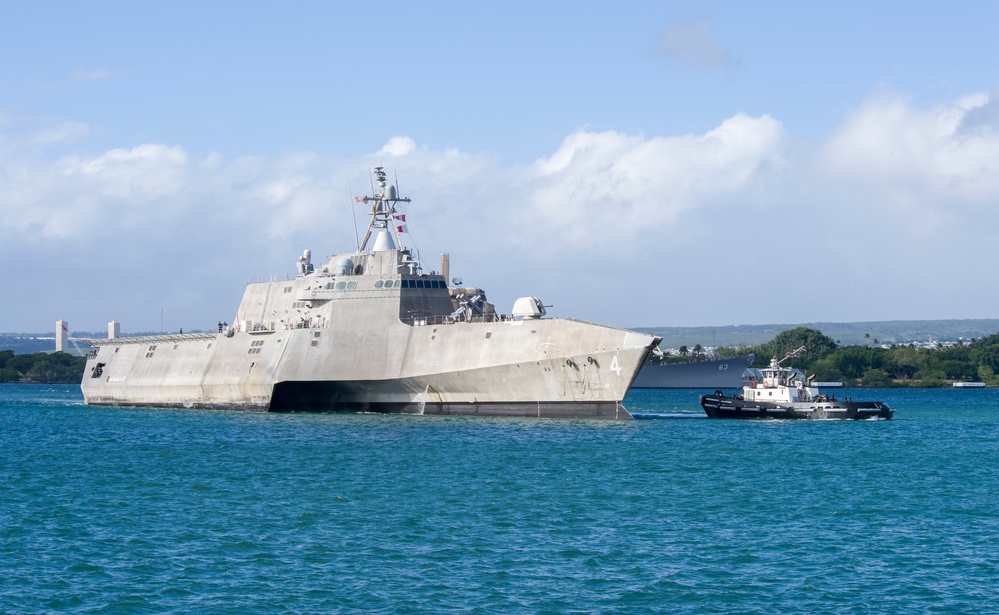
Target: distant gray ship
712	374
372	331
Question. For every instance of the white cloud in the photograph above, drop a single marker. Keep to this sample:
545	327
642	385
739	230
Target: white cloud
922	164
143	172
692	45
398	146
608	189
63	133
604	215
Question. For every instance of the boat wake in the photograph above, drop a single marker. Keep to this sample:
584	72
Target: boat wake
656	416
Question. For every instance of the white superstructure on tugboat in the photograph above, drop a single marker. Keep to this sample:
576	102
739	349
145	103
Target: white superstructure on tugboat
779	392
371	330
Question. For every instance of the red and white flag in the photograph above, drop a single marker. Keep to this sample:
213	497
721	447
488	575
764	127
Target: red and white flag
400	217
401	229
359	199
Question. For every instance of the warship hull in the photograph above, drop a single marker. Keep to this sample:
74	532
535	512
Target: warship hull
542	368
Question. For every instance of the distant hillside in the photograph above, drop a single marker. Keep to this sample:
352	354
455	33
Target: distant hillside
27	343
846	334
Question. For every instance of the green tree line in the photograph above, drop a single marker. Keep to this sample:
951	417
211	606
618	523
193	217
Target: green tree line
41	367
874	366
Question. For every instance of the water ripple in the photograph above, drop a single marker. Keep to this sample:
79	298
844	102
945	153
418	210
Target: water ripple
165	511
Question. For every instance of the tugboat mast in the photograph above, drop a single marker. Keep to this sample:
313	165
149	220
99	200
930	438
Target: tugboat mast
382	209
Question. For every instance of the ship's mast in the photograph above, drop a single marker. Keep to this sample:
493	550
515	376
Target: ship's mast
793	354
382	209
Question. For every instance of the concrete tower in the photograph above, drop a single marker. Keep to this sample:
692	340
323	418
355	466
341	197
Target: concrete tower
62	334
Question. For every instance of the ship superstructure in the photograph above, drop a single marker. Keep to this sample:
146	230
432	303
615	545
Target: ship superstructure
371	330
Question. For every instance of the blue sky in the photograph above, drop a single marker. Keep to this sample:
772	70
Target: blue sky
633	163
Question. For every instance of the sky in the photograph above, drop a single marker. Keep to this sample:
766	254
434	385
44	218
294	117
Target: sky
637	164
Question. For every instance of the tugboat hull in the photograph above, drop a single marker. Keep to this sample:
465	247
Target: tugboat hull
719	405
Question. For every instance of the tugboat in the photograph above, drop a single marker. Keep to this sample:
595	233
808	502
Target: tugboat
780	392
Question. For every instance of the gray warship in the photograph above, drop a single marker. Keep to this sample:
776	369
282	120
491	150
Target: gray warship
372	331
709	374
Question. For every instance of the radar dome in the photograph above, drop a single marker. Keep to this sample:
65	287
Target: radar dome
383	241
345	266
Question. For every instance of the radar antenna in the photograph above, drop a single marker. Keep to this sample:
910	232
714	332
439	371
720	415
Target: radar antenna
382	208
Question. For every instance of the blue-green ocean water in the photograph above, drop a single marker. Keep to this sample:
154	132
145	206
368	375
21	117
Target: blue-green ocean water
108	510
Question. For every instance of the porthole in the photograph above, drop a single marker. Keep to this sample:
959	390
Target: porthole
379	283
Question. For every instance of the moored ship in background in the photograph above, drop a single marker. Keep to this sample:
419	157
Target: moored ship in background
708	374
371	330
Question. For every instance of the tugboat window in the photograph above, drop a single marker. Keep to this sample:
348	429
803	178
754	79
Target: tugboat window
378	284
